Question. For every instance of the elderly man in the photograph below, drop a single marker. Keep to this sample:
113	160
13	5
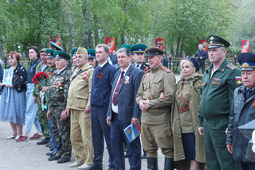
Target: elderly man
100	96
242	112
200	56
57	97
78	102
217	88
123	110
155	96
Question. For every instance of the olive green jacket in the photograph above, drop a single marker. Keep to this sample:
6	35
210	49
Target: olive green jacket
176	124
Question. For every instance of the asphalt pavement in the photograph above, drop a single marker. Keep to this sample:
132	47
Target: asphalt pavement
29	156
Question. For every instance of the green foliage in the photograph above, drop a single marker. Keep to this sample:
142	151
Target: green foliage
182	23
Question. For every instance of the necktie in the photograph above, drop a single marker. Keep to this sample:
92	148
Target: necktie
117	89
98	70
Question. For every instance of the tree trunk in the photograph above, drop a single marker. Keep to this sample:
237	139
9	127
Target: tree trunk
178	45
182	45
86	25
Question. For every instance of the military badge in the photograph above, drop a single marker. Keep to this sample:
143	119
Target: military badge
126	80
238	80
85	76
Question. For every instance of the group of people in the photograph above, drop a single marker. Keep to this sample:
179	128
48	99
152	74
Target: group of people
195	122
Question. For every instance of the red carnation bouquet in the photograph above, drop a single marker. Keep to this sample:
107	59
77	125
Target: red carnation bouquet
39	77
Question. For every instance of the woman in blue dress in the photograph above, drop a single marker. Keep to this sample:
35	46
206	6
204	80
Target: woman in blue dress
13	102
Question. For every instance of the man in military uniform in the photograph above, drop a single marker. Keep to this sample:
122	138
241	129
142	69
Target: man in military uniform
50	72
217	88
242	114
164	59
91	57
42	115
100	96
78	102
138	56
155	100
57	97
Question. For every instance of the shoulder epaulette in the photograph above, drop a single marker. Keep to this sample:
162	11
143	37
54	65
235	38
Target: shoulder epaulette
166	69
231	66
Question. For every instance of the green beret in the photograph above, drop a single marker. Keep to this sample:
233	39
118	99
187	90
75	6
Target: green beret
91	53
152	51
55	46
49	53
215	41
61	55
126	46
74	50
138	48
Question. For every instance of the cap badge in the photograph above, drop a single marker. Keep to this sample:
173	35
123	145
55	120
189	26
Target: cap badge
245	65
48	53
57	55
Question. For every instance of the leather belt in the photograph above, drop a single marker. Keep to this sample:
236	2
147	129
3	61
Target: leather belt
183	109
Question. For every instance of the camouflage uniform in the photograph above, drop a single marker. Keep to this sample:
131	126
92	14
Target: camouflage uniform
42	115
57	95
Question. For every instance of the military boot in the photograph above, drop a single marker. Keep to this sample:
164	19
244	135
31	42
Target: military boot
169	164
152	163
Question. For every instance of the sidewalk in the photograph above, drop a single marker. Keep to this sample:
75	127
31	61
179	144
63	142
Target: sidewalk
29	156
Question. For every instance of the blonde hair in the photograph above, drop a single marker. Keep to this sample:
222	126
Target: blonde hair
189	63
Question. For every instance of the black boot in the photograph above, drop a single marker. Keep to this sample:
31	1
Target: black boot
169	164
152	163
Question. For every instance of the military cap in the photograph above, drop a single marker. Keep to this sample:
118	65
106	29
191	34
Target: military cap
194	62
126	46
43	50
49	53
152	51
138	48
247	61
91	53
55	46
74	51
215	41
82	50
61	55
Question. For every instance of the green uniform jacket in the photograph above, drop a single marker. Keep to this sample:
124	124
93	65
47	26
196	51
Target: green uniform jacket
38	87
160	81
58	87
193	93
217	92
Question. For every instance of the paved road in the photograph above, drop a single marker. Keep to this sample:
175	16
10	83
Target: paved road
29	156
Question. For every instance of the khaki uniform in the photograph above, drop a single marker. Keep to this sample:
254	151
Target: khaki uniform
78	99
156	125
187	121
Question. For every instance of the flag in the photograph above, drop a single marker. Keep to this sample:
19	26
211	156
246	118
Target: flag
160	43
110	42
205	44
245	46
56	40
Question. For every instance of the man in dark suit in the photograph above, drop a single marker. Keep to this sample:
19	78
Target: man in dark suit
124	110
200	56
100	96
138	51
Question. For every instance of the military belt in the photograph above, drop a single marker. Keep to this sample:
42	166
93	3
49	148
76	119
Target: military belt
183	109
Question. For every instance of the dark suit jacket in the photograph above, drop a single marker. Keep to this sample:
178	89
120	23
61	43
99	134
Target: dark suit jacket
202	54
145	67
102	85
127	105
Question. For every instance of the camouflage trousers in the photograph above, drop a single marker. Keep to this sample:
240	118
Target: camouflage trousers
61	130
42	115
